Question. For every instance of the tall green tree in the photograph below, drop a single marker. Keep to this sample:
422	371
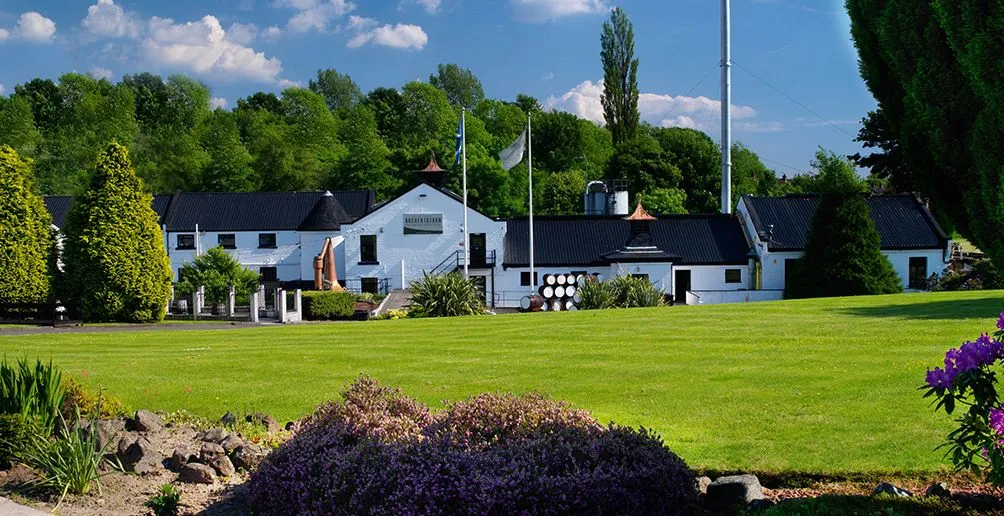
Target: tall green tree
388	108
665	201
26	237
228	168
842	256
563	193
46	103
461	86
642	163
338	89
620	77
365	164
113	252
750	175
17	126
698	158
313	137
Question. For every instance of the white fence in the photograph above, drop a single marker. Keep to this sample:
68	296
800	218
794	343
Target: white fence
718	297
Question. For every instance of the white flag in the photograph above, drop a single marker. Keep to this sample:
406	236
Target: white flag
513	154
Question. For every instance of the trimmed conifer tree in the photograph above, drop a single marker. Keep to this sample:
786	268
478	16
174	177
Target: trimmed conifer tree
114	257
843	254
26	236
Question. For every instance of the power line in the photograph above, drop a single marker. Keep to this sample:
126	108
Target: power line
789	97
679	100
782	164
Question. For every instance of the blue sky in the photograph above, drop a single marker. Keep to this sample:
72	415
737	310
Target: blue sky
547	48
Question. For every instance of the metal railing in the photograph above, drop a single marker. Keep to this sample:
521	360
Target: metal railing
355	285
454	261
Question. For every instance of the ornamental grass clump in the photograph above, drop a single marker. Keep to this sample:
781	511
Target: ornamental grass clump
966	388
448	295
489	454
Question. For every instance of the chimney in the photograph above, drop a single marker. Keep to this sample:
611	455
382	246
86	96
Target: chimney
432	174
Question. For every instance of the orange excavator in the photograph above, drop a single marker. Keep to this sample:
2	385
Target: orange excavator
325	275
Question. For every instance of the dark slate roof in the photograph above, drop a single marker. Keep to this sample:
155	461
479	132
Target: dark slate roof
59	207
326	215
901	220
581	240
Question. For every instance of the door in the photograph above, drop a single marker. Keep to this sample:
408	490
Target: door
681	284
478	250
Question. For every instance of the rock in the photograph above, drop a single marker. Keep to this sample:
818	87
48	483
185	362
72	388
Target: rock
179	458
228	419
216	435
939	490
231	443
702	485
139	455
263	419
223	466
197	474
248	457
889	489
146	421
733	491
210	452
108	431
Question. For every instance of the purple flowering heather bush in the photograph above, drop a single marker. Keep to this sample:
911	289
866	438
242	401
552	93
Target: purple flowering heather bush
966	388
490	454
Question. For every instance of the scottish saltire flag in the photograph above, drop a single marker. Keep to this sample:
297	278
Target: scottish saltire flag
460	141
513	154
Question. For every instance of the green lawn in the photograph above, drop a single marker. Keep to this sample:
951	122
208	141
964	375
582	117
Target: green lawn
815	386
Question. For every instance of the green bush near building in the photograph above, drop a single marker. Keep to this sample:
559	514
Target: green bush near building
326	305
26	237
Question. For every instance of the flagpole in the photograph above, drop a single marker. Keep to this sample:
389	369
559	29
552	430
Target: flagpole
529	167
463	151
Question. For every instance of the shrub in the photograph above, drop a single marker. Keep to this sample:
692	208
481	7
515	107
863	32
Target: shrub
968	382
32	392
551	460
447	295
216	271
395	314
620	292
26	236
114	250
89	404
167	502
72	462
325	305
373	410
17	433
842	256
981	275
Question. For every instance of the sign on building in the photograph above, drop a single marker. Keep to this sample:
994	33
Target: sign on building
423	223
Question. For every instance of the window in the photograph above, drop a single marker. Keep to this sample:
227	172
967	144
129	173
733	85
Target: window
524	278
266	240
186	241
369	285
268	274
733	276
918	272
368	249
227	241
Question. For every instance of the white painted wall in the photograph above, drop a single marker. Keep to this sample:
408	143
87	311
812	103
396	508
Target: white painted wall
712	277
901	262
286	257
772	275
311	243
417	253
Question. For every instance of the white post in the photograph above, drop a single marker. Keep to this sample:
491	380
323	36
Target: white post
463	153
298	304
198	242
280	304
403	280
261	295
726	106
254	307
529	167
231	301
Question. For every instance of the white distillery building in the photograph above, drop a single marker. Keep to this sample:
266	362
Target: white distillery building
693	259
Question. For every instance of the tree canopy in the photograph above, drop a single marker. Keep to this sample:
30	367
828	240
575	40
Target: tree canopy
620	77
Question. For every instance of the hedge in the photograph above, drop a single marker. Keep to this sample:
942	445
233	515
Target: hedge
26	237
326	305
114	254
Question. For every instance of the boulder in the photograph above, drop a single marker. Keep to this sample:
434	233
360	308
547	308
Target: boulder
231	443
939	490
210	452
228	419
139	455
179	458
702	485
733	491
265	420
197	474
889	489
216	435
248	457
108	431
146	421
223	466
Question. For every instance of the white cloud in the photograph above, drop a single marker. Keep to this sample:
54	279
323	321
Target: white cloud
107	19
242	33
547	76
368	30
100	73
315	14
431	6
31	26
700	113
203	47
535	11
272	33
3	89
217	102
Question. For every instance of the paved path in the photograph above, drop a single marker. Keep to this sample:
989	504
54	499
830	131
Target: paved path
397	299
9	508
48	330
